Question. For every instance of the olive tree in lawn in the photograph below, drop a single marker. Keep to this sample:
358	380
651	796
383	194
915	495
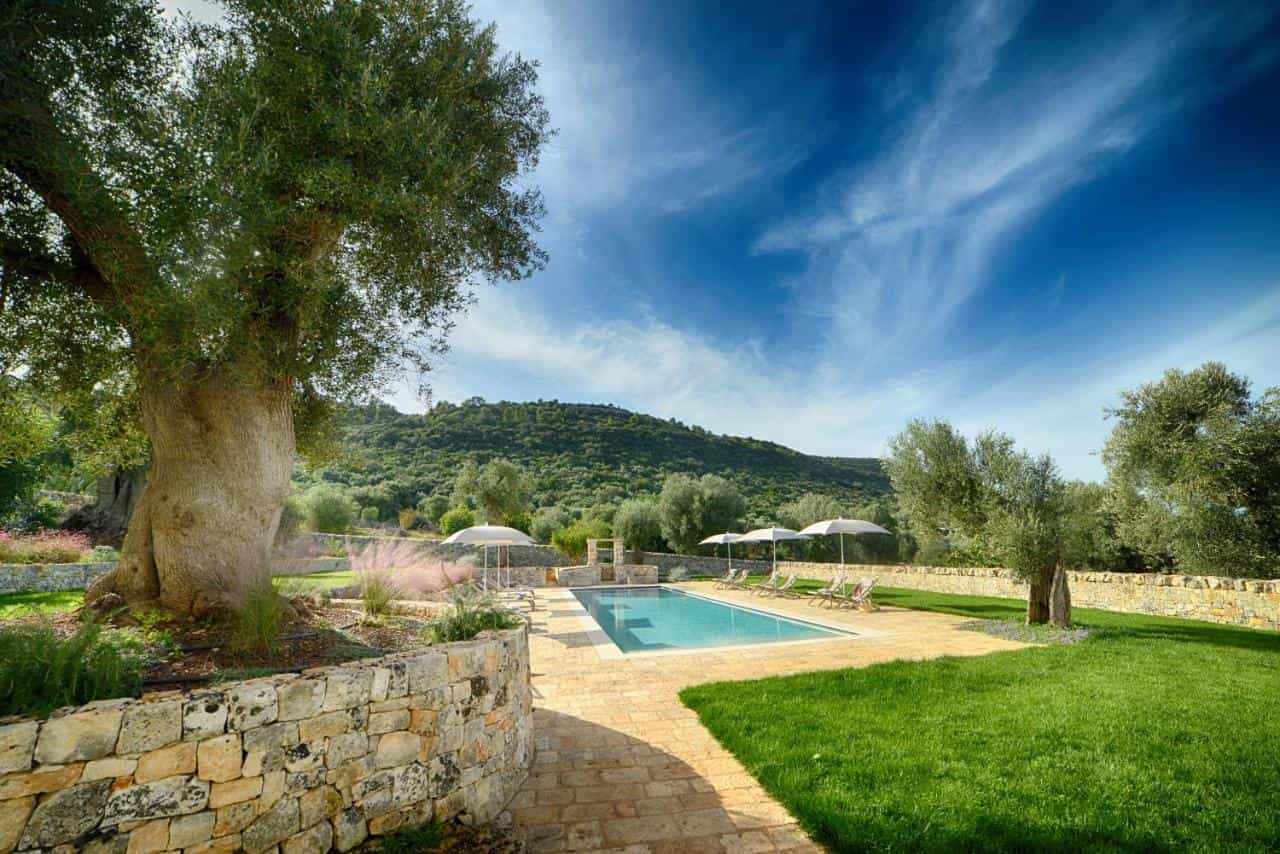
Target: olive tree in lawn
229	225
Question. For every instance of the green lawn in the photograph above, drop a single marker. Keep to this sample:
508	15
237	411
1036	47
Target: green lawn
1154	734
21	604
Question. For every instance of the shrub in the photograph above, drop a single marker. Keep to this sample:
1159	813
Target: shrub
291	517
329	510
408	518
456	520
44	547
547	521
469	613
369	514
411	840
638	524
259	618
572	540
397	568
40	671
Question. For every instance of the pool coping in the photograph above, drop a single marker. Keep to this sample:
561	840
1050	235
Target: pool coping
605	647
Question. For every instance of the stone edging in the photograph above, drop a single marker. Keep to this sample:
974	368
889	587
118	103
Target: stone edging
312	761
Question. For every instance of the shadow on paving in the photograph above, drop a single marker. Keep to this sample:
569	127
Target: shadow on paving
594	788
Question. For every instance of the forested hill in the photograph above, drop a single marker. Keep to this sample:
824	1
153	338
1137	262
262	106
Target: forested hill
579	454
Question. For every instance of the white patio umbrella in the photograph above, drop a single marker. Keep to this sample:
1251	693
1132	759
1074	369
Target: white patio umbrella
728	539
771	535
490	535
843	526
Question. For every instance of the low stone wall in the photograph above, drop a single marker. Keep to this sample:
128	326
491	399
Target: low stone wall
701	564
630	573
1238	601
535	555
308	762
47	577
578	576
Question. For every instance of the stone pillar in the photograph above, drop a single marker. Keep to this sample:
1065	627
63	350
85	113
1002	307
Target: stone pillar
618	548
593	552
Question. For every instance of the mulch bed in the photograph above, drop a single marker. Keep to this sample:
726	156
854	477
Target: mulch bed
191	654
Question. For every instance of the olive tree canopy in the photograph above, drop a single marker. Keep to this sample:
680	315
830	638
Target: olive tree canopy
226	225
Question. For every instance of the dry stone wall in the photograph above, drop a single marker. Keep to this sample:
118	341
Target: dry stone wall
1238	601
307	762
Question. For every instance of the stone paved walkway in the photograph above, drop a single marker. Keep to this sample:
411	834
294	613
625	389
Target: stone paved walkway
623	766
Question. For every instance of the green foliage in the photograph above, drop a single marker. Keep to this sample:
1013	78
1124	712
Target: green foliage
470	612
572	541
407	518
457	519
329	510
691	509
933	755
500	490
984	496
258	618
433	507
1194	466
26	431
292	516
547	520
639	524
377	590
40	671
311	189
412	840
369	514
1089	536
14	605
578	455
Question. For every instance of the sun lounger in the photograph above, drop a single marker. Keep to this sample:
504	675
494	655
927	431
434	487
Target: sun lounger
860	596
783	589
730	579
767	586
824	594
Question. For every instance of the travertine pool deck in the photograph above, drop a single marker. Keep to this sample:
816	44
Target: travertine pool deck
623	766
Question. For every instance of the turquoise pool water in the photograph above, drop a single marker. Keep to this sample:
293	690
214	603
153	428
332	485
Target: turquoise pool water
654	618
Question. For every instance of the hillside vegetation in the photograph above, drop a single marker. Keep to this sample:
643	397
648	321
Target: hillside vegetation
579	454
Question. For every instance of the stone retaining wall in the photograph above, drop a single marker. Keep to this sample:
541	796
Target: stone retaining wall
46	577
701	564
307	762
1238	601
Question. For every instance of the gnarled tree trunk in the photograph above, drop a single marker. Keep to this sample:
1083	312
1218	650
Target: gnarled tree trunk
107	518
1060	599
203	527
1038	599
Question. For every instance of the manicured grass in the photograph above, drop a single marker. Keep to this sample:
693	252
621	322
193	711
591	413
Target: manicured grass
1154	734
323	580
22	604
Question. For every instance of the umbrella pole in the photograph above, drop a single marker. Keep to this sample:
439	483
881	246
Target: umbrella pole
729	547
842	549
775	559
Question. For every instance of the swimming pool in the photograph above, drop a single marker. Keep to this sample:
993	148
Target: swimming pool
645	619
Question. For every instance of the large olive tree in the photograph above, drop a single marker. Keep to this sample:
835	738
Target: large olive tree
1008	500
226	226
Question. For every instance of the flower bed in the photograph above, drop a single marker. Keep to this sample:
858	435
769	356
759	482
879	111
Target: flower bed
314	761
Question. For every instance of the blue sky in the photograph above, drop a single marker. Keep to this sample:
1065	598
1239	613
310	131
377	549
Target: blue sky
809	223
